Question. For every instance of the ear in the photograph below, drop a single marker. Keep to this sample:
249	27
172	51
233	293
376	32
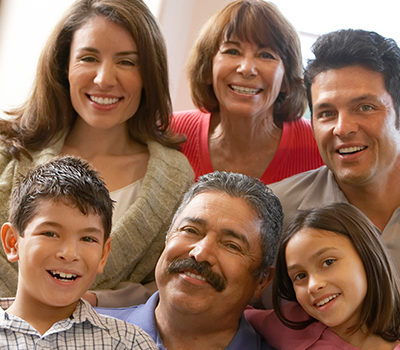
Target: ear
263	281
9	239
104	256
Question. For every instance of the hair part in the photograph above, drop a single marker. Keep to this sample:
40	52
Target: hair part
67	179
49	110
351	47
261	23
381	306
257	195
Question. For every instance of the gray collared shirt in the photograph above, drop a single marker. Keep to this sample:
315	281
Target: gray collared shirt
316	188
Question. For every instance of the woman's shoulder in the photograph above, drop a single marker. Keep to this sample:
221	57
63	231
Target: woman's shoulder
184	121
302	125
170	162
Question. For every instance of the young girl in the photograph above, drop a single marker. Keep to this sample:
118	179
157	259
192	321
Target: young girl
332	264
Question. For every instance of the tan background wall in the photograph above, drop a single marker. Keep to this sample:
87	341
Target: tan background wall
25	25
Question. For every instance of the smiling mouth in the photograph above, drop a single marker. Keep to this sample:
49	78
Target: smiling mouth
326	300
61	276
351	150
244	90
193	275
104	101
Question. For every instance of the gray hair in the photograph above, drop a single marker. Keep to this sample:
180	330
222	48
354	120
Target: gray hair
260	197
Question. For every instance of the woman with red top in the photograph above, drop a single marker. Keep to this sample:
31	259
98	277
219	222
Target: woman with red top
245	73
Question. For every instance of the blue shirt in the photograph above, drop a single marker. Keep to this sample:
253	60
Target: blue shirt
143	316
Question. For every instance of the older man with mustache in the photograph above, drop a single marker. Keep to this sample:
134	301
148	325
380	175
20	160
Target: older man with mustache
218	256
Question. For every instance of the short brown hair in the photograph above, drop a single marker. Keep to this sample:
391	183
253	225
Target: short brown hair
49	109
380	309
255	21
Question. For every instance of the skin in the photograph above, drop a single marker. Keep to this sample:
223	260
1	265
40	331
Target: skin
354	126
104	74
59	238
225	232
328	277
349	111
245	114
240	64
108	70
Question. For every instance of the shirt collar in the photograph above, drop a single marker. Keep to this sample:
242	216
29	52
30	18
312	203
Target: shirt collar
323	189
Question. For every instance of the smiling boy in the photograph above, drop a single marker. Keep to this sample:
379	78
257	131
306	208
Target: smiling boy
59	232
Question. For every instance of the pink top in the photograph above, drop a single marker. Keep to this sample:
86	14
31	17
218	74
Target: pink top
315	336
297	151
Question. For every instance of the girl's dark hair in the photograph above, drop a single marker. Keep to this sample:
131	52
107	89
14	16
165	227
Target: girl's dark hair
380	309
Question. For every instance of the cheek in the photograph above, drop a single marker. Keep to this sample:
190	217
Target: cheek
301	296
132	81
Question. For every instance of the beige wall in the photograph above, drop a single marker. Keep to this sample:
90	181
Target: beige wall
180	21
26	24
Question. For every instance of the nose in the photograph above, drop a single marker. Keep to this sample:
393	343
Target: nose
247	67
68	251
315	283
345	125
204	250
106	75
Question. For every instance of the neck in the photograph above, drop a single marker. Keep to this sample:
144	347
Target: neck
243	145
84	140
38	315
236	131
181	331
377	200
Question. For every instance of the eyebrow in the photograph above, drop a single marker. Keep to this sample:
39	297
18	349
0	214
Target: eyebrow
54	224
316	254
226	232
122	53
364	97
353	100
237	43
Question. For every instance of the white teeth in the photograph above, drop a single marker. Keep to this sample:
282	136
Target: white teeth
351	149
201	278
104	100
244	90
327	300
62	275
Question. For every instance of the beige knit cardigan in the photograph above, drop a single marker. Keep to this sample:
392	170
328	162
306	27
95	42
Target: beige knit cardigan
138	237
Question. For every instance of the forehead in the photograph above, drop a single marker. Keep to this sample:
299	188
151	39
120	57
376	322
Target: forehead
99	30
347	83
63	214
222	211
307	242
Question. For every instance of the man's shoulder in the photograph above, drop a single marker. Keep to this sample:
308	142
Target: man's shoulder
247	338
129	314
137	314
293	185
305	190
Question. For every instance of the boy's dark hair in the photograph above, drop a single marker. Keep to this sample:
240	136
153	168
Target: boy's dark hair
350	47
68	179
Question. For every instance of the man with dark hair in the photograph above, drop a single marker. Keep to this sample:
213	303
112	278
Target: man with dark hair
218	256
353	88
